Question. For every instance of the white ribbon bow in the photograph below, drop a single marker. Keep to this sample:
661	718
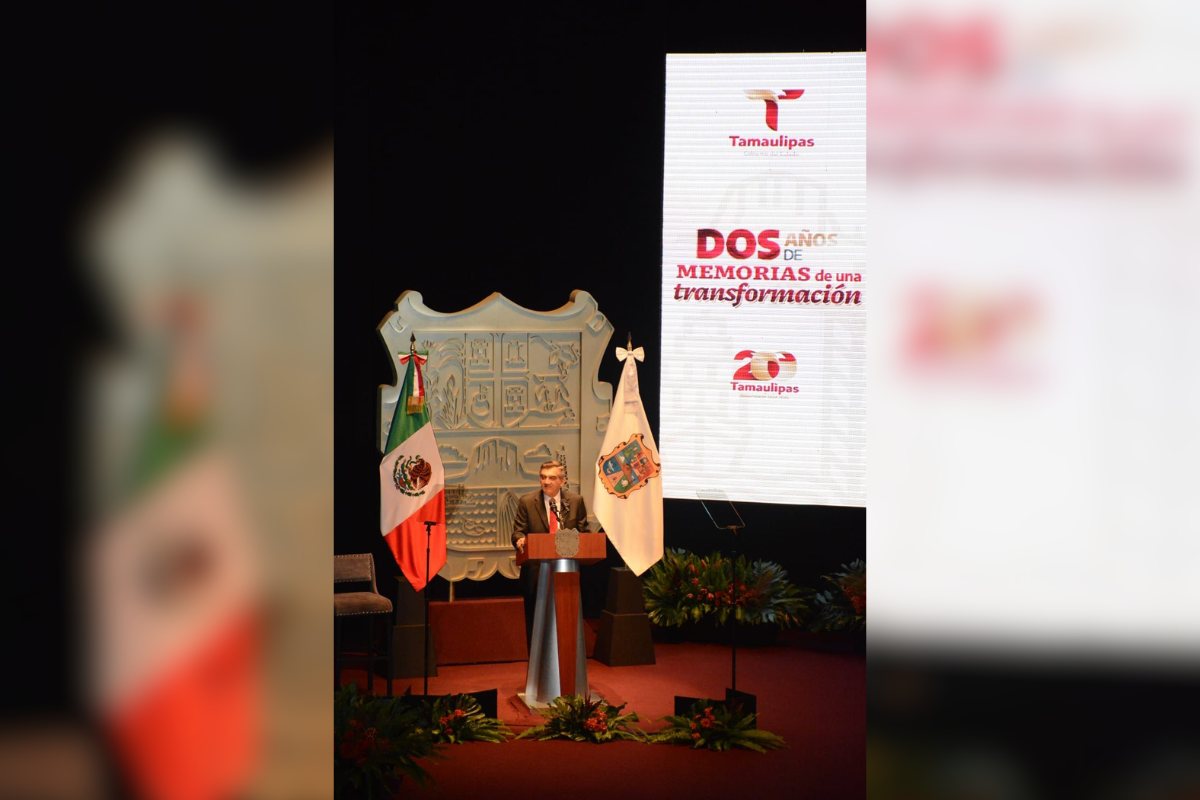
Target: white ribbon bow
637	353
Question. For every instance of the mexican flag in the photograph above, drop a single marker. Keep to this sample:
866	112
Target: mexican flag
412	483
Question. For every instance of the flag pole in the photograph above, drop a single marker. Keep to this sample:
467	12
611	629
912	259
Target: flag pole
737	595
425	667
629	346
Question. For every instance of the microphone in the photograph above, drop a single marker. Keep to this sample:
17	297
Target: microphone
554	508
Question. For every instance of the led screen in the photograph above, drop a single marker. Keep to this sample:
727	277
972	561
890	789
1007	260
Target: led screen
764	285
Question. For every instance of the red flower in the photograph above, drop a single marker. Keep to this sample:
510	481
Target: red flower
458	712
693	726
695	581
706	723
690	596
695	736
710	595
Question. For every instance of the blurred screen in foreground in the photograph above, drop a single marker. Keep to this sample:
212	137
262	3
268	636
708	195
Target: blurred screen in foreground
1032	434
1035	352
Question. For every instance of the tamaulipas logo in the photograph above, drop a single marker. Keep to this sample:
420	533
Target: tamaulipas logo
764	373
772	101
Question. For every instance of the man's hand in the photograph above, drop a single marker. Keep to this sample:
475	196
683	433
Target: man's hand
521	545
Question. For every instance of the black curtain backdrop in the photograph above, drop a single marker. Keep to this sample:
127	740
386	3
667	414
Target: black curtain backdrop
488	151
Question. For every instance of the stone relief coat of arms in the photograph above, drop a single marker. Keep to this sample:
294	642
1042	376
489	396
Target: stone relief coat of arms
508	389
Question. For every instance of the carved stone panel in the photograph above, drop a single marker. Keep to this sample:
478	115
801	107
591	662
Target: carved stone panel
508	388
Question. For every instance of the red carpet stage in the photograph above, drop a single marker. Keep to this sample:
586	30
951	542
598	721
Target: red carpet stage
814	700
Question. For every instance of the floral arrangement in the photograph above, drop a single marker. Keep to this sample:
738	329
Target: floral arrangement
583	720
717	726
845	606
377	741
683	587
459	718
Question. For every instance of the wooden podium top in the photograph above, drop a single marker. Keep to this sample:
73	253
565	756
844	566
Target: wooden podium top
542	547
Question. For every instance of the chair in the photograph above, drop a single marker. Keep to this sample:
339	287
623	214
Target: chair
360	568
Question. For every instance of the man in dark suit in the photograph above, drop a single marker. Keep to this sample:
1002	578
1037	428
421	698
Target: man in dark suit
534	515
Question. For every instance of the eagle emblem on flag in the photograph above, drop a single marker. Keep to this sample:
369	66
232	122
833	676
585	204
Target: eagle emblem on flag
411	475
627	467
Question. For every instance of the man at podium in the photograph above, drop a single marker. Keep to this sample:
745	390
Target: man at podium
536	514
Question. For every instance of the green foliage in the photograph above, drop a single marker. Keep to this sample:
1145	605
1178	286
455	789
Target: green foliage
712	725
683	587
459	718
376	739
582	720
844	608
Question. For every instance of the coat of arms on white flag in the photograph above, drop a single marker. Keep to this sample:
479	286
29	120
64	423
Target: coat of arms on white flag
628	493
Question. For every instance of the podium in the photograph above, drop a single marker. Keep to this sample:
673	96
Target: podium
557	654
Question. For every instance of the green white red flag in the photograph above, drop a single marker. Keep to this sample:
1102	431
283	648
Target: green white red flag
412	483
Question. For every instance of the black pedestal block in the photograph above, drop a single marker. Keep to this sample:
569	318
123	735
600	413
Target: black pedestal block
624	639
408	638
408	643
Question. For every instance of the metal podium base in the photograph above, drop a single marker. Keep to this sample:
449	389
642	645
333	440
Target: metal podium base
542	683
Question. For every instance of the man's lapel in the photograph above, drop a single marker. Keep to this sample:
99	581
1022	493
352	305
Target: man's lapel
541	509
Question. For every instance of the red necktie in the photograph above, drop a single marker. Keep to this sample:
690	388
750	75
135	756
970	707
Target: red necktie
553	521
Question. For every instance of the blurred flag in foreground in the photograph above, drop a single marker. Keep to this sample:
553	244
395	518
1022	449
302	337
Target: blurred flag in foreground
195	470
172	583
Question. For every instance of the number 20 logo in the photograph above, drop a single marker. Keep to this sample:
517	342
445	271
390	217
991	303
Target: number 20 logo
761	366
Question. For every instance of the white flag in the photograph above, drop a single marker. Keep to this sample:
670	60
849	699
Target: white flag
628	495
